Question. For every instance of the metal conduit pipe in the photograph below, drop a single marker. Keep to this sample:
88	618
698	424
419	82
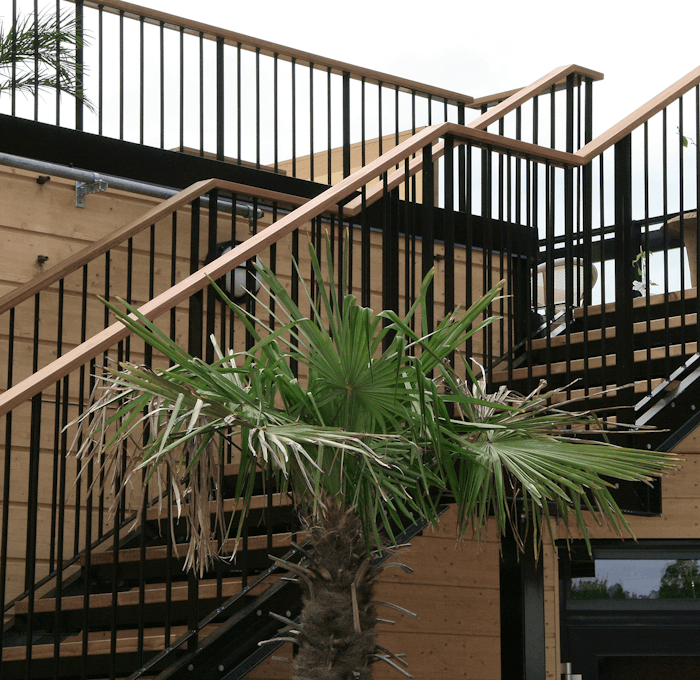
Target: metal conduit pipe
120	183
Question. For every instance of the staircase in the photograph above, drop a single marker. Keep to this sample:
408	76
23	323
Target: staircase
129	599
584	350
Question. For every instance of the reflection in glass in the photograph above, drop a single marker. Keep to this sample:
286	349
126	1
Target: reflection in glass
639	579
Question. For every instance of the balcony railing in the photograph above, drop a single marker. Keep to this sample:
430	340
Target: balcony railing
156	79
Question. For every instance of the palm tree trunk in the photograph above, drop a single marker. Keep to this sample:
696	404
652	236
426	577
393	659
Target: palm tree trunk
336	634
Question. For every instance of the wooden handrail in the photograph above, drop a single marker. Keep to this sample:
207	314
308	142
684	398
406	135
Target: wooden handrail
50	374
521	96
462	135
270	49
617	132
493	99
151	216
472	131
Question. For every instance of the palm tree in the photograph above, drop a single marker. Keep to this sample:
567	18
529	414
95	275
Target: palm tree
38	53
366	443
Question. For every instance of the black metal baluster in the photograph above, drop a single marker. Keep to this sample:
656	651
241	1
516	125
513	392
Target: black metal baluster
7	468
79	65
100	69
201	94
257	104
121	74
239	103
311	123
141	80
624	254
161	26
294	119
427	230
330	123
221	103
182	89
346	124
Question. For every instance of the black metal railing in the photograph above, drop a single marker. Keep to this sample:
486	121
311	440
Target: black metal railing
155	79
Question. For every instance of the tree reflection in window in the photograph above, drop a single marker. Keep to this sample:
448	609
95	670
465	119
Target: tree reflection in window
639	580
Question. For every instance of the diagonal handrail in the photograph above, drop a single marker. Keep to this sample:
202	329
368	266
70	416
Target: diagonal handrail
493	115
151	216
334	195
619	131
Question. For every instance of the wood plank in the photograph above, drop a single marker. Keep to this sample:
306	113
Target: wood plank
595	335
99	643
579	365
640	302
442	609
154	594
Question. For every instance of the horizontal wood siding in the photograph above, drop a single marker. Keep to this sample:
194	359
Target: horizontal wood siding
454	589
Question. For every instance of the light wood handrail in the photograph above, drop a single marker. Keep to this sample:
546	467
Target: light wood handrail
617	132
50	374
151	216
462	135
473	131
286	53
493	99
521	96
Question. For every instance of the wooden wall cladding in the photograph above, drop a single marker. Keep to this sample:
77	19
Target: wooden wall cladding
454	589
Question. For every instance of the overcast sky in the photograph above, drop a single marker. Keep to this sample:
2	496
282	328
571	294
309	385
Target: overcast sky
479	48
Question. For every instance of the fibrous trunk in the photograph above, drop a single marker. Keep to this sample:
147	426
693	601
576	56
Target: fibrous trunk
336	634
338	617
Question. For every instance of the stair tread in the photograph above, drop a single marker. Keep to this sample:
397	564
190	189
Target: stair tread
160	552
229	505
579	365
154	593
101	643
596	392
595	335
659	299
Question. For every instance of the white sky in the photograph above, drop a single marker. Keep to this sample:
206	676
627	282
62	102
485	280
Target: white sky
480	48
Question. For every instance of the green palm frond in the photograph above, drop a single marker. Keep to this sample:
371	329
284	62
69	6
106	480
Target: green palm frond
41	49
382	431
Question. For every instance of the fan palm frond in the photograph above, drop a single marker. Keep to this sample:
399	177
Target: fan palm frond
380	431
38	53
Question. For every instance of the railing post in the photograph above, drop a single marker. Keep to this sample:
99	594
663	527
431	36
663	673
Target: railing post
79	64
625	247
220	108
449	227
346	125
587	246
427	228
196	302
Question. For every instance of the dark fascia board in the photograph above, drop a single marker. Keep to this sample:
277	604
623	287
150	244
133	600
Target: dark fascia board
96	153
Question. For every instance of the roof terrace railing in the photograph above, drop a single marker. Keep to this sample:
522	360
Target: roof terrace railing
160	80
